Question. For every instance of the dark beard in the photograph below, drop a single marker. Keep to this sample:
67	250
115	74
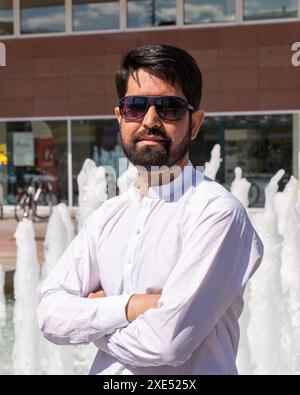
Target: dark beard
156	156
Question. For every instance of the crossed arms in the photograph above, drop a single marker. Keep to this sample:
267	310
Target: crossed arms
137	304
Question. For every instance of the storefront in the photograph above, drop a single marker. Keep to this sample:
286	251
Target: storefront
57	91
55	149
33	149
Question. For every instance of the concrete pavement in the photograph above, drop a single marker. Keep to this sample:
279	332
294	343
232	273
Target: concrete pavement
8	250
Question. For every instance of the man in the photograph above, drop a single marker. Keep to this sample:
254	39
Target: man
171	257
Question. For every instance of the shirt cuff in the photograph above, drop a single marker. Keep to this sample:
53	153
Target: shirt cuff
117	314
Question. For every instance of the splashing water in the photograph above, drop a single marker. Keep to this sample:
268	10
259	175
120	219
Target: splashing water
92	187
56	359
2	306
6	347
265	297
286	204
27	333
240	187
60	232
127	179
212	167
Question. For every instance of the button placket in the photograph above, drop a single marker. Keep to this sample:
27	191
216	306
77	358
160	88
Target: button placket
133	244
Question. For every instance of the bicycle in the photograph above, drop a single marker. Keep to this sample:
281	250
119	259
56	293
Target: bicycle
33	199
254	194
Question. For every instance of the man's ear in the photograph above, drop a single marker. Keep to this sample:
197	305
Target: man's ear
118	115
197	119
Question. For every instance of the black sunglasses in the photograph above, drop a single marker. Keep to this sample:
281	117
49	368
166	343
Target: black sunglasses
169	108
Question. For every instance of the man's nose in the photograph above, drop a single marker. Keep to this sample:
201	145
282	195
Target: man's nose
151	119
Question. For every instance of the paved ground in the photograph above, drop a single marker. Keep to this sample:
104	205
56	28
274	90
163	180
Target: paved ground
8	245
8	251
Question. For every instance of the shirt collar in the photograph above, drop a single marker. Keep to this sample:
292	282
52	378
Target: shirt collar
170	192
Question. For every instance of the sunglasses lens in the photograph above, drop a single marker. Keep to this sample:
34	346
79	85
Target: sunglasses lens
170	108
133	107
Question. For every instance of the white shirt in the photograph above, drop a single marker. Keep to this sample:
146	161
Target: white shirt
193	239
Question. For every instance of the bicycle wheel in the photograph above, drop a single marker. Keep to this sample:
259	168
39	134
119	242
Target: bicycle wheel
22	207
22	210
254	194
43	206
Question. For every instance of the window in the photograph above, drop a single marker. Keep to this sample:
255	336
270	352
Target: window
146	13
29	150
260	145
95	14
6	17
47	16
201	11
270	9
97	140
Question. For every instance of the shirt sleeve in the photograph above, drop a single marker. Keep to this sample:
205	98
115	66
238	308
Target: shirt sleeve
65	314
220	254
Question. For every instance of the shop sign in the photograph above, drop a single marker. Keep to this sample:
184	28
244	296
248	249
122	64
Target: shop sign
23	149
3	155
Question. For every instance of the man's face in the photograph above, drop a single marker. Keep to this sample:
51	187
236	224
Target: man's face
167	142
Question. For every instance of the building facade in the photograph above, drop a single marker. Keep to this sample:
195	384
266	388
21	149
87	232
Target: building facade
57	93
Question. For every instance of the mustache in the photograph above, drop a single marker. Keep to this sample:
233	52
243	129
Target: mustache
147	132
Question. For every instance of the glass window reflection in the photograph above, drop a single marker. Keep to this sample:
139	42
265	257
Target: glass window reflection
98	140
35	150
260	145
270	9
6	17
201	11
95	15
47	16
147	13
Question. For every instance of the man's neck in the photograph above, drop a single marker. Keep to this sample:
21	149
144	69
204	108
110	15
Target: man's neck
148	179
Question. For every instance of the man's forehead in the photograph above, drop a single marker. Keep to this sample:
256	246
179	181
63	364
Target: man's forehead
141	76
144	79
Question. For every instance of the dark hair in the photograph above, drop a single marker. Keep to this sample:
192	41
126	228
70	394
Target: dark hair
166	62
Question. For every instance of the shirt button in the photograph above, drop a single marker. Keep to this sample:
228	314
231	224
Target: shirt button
137	231
129	261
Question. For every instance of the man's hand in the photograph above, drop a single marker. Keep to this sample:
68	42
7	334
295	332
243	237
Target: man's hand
138	304
99	294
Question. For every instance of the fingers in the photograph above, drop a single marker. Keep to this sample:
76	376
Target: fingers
102	294
99	294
